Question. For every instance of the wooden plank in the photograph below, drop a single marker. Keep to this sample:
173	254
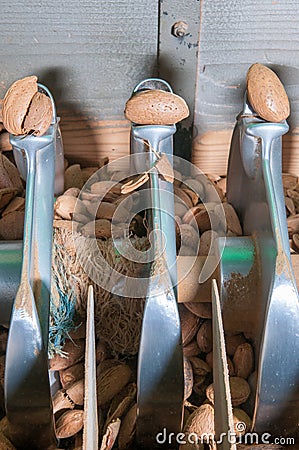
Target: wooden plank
89	53
211	151
234	35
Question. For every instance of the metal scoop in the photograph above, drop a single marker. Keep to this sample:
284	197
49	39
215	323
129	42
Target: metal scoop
160	364
27	392
258	285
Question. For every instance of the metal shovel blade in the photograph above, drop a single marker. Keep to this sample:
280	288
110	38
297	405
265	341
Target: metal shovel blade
27	391
90	430
224	422
255	189
160	363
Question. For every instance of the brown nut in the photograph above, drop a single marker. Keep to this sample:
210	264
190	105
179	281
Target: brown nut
200	309
242	422
71	374
239	390
69	423
26	110
74	352
111	382
6	195
100	228
232	342
266	94
201	423
200	368
191	349
204	337
189	324
67	206
156	107
11	226
127	429
188	378
243	360
121	403
39	115
73	177
16	204
9	175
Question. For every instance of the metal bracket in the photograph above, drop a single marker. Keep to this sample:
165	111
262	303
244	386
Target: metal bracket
177	60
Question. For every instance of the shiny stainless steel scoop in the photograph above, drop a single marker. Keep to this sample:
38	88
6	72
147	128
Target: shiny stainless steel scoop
259	294
27	392
160	364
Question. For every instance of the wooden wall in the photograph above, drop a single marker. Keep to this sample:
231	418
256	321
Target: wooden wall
91	53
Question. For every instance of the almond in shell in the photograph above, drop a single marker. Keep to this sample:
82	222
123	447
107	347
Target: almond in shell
266	94
127	429
69	423
243	360
156	107
111	382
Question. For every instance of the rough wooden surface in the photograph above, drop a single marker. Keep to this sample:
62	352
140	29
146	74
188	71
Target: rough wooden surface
89	53
233	35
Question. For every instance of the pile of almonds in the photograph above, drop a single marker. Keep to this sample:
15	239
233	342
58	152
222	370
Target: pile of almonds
198	366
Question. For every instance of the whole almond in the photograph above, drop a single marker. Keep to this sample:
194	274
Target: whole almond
74	352
121	403
16	103
201	423
100	228
204	337
289	181
69	423
183	197
71	374
188	378
240	416
102	188
106	210
9	175
191	349
231	217
72	191
156	107
11	226
232	342
189	236
266	94
200	309
16	204
67	206
127	429
73	177
239	390
6	195
207	241
199	367
111	382
76	392
189	217
189	324
243	360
